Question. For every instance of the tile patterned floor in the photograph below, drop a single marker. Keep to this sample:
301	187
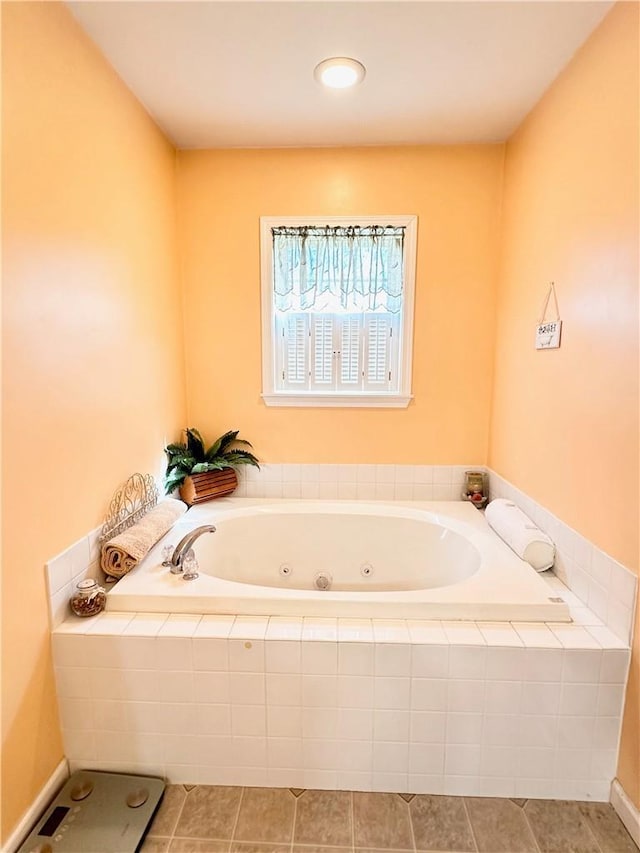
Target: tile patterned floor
208	819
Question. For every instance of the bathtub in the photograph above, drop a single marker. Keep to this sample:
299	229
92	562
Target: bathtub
394	560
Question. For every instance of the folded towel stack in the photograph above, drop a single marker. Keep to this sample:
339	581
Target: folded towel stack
521	534
124	552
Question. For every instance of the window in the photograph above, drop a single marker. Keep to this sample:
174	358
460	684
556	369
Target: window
337	310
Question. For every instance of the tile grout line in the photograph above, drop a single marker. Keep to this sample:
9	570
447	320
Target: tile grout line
203	838
262	842
175	826
200	839
295	820
307	845
533	835
237	818
587	823
413	835
466	811
353	821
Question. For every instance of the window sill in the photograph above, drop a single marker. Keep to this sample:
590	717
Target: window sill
339	401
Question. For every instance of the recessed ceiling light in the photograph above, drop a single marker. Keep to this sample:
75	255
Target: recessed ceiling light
339	72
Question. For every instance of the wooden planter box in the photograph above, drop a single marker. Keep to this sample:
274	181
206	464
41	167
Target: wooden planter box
204	487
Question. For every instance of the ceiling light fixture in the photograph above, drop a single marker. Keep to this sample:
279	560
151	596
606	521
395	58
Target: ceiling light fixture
339	72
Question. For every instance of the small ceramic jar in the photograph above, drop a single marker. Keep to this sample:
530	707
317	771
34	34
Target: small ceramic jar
89	598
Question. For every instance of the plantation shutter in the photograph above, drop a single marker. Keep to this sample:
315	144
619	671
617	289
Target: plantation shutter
377	348
351	351
292	369
337	352
322	347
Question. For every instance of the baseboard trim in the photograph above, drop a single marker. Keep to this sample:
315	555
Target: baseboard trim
627	812
48	792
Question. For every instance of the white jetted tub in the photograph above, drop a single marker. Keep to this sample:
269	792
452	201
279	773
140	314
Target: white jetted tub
394	560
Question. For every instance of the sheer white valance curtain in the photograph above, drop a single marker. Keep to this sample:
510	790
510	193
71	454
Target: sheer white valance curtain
338	268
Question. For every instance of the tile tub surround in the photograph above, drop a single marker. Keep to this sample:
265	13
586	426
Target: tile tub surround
607	588
602	584
153	722
298	820
65	570
351	482
442	708
355	482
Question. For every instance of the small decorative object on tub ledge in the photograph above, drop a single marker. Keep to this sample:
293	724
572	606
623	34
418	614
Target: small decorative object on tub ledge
129	504
203	474
89	599
134	524
475	489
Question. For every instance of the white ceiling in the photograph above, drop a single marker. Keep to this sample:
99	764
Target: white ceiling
240	74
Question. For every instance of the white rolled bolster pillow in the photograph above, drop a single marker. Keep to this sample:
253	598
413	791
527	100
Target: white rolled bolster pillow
521	534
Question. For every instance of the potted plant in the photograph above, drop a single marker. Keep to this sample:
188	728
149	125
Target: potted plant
203	474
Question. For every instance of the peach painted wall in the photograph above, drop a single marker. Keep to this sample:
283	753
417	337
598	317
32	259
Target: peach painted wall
92	349
565	422
455	192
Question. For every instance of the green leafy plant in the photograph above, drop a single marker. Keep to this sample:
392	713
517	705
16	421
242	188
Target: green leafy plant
191	457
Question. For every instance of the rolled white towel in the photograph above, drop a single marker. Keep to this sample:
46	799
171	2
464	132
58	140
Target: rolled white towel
521	534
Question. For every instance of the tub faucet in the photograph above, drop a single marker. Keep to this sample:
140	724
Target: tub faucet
183	546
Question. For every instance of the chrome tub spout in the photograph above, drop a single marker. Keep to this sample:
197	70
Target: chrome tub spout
184	545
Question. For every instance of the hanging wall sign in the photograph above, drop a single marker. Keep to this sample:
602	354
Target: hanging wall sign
548	331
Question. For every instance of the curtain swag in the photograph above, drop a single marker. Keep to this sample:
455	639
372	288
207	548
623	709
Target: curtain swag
330	268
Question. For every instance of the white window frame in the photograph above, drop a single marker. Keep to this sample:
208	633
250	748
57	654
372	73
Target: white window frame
395	399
